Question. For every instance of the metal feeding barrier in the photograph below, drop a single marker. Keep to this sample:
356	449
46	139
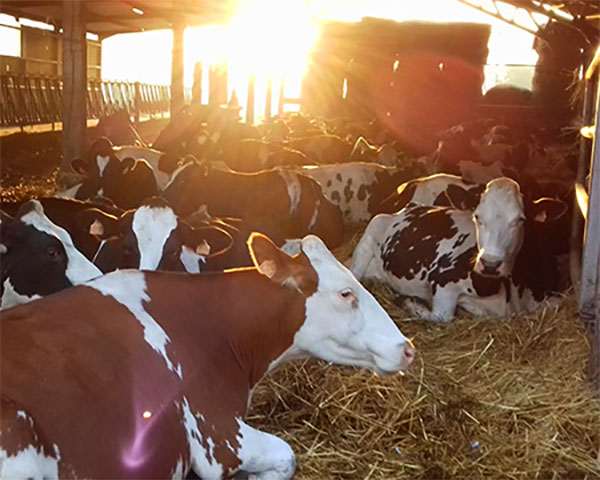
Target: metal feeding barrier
586	273
34	100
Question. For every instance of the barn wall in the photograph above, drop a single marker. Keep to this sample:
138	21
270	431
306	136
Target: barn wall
416	77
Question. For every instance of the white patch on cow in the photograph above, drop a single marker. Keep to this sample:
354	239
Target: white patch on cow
202	139
69	192
10	297
190	259
178	471
21	414
128	287
315	215
29	463
264	455
152	227
344	323
294	188
79	268
3	249
102	162
204	463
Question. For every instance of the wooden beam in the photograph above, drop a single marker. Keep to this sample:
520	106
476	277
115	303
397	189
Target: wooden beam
74	82
250	101
177	99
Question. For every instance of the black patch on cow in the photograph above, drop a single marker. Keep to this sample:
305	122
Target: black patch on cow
329	183
338	176
414	248
460	240
348	192
362	192
336	197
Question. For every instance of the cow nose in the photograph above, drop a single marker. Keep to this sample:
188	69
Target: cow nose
490	264
409	355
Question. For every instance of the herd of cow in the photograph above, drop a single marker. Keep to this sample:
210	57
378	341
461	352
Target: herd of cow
181	273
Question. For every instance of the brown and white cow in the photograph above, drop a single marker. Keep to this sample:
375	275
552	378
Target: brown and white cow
149	374
496	261
359	188
294	202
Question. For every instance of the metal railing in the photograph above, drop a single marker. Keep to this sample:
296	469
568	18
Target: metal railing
32	100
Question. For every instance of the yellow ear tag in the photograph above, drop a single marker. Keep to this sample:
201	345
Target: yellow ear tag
96	228
268	268
203	248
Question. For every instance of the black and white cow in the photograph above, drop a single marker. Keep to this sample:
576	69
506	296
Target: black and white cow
359	188
102	153
38	257
152	237
496	261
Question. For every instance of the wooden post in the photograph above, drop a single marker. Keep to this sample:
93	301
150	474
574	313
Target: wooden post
137	102
250	100
197	86
74	83
281	97
177	99
269	99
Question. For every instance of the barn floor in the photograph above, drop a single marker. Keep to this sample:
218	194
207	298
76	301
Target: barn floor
484	399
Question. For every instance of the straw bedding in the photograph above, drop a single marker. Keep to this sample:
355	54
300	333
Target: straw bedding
484	399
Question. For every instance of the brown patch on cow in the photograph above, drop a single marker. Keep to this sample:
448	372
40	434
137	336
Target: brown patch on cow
336	197
362	192
348	192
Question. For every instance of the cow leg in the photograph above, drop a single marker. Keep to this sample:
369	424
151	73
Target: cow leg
264	456
443	306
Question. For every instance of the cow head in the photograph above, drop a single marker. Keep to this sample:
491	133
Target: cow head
38	257
502	219
152	237
99	154
344	323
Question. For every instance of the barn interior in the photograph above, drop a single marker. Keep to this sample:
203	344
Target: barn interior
515	397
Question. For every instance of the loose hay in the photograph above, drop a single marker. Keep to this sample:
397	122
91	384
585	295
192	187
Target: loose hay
484	399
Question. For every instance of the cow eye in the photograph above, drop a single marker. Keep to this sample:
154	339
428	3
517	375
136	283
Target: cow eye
348	296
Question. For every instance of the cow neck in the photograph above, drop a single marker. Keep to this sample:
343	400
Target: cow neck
239	313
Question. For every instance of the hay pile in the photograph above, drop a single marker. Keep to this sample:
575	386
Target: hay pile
484	399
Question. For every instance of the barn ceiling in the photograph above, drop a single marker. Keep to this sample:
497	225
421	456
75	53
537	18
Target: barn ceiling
109	17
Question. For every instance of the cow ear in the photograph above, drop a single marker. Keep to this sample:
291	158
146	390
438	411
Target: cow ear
360	147
211	241
80	166
98	223
293	272
267	257
548	210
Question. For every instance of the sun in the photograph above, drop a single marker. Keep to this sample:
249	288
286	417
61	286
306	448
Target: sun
271	37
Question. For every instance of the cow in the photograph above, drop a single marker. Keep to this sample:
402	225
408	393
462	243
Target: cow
38	257
358	188
293	201
495	261
127	182
152	237
102	153
161	366
66	213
